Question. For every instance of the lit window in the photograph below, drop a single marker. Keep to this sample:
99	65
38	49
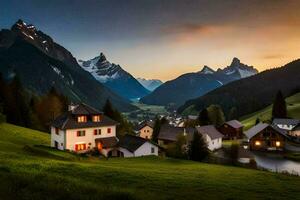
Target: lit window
96	118
82	118
257	143
80	147
109	130
277	143
97	131
80	133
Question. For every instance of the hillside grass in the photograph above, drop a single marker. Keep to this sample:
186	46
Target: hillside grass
30	169
293	107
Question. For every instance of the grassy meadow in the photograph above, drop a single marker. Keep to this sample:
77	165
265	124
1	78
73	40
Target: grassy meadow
293	106
29	169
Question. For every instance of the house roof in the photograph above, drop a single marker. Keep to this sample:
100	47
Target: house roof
192	117
68	120
286	121
145	123
107	142
234	123
170	133
261	126
132	143
210	130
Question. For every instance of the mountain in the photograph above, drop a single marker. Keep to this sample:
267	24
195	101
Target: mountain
114	77
41	64
250	94
192	85
150	84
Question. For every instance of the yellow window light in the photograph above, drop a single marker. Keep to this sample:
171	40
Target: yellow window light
257	143
277	143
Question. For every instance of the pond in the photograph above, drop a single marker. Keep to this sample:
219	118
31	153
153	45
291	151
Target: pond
276	163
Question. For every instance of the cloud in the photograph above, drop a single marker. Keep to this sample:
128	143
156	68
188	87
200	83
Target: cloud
272	56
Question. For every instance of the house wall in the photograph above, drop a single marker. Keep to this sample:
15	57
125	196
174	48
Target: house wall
295	133
230	132
145	150
146	132
267	141
60	138
213	144
89	139
127	154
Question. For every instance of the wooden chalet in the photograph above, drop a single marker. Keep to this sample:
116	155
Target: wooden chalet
232	130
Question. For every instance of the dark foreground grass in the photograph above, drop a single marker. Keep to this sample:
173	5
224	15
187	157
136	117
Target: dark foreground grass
29	171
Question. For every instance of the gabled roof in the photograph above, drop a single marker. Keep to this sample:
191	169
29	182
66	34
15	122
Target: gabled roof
68	120
83	109
234	123
132	143
170	133
145	123
285	121
107	142
209	130
261	126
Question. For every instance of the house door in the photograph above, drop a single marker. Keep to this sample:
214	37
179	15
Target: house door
56	144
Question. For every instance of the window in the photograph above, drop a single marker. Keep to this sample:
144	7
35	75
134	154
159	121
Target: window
152	150
80	133
96	118
81	118
56	131
97	131
109	130
61	144
146	137
80	147
277	143
257	143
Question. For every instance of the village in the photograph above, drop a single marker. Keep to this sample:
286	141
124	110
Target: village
84	129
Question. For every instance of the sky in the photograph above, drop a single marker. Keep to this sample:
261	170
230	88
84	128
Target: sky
163	39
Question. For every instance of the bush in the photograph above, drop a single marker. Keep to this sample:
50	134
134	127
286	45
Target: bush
2	118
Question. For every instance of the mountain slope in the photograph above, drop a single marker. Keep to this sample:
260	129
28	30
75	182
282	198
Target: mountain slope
40	68
293	111
150	84
250	94
192	85
114	77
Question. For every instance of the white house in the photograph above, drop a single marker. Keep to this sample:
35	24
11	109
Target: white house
84	128
212	136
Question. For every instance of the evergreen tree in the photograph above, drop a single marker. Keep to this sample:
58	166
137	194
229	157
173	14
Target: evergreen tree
233	114
216	115
156	129
179	148
279	109
257	121
203	118
198	149
108	109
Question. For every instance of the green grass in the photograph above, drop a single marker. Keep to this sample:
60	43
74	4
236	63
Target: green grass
293	106
151	108
31	171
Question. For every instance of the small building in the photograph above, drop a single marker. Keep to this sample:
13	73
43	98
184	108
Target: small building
286	124
295	133
134	146
212	136
266	137
82	128
145	129
232	130
168	134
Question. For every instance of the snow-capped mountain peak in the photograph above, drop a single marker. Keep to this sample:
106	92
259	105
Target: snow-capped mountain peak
236	68
113	76
150	84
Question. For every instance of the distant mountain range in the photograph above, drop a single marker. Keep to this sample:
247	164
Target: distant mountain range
192	85
114	77
150	84
41	63
250	94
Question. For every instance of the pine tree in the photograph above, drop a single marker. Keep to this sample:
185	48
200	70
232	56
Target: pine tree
257	121
156	129
216	115
203	118
108	109
198	148
279	106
